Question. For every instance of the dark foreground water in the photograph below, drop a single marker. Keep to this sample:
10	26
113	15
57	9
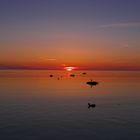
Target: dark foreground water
34	106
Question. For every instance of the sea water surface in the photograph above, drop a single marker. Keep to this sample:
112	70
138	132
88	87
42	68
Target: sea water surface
36	106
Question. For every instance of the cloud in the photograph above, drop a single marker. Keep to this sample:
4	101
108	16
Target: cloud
114	25
47	59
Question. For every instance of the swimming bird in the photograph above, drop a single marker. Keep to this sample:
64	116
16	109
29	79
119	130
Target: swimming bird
91	105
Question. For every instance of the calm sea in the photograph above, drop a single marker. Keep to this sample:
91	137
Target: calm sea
36	106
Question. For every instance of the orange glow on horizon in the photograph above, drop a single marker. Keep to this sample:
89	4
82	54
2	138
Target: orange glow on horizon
69	68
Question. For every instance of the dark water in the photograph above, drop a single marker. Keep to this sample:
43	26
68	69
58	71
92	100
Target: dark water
35	106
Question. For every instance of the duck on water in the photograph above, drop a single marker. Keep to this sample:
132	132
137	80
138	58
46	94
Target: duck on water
91	105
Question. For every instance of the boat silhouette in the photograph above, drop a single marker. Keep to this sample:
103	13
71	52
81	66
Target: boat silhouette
92	83
72	75
84	73
51	75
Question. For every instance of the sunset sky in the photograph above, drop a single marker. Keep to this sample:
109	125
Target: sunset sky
53	34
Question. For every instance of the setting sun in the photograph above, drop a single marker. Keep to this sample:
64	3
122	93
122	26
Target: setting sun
69	68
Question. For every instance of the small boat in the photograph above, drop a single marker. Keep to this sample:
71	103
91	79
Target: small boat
84	73
51	75
72	75
92	83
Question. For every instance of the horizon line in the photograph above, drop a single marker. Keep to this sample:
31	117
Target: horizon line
123	69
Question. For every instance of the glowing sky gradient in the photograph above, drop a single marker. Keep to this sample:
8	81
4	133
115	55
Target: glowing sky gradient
53	34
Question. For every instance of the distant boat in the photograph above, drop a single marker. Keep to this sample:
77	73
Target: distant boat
72	75
51	75
84	73
92	83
